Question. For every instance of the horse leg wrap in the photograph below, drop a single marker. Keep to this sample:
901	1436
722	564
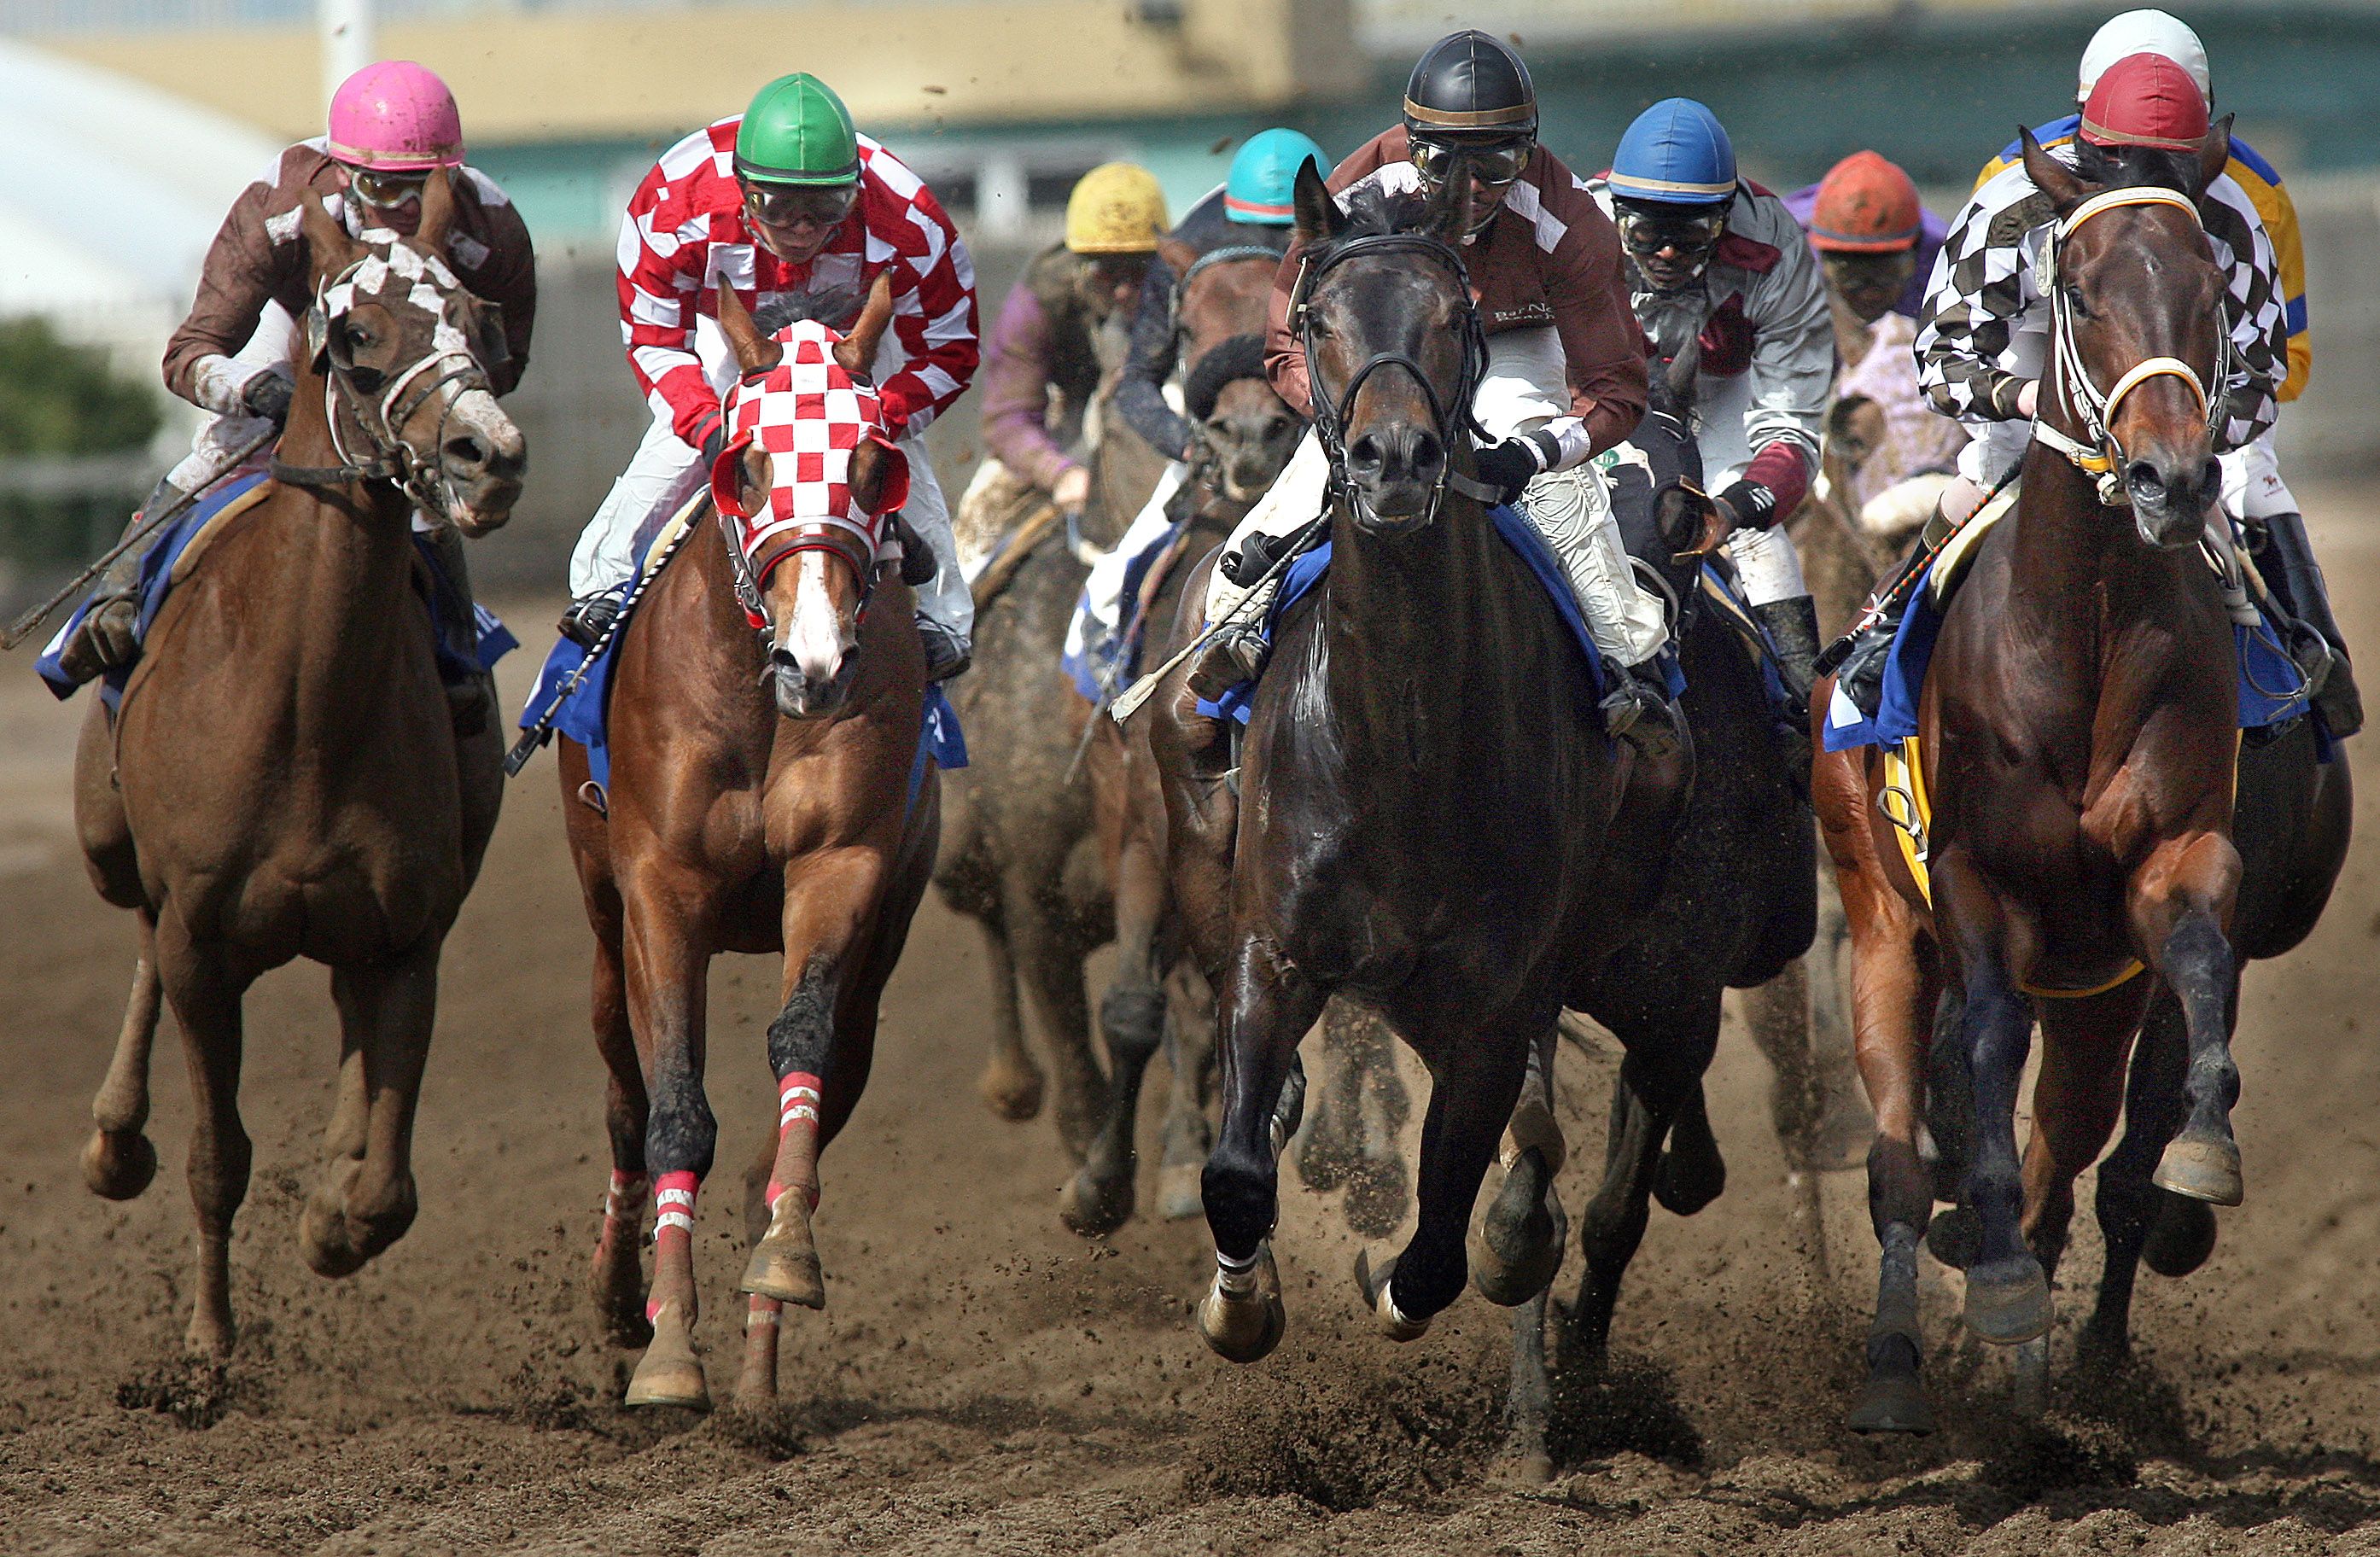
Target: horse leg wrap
784	1264
624	1198
672	1232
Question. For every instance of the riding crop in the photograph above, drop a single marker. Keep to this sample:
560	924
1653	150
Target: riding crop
1140	691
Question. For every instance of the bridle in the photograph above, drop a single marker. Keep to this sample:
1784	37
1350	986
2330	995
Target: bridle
1446	421
847	541
2098	455
346	398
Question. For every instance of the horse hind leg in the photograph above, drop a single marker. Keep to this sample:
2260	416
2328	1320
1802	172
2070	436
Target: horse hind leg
119	1161
616	1278
1049	951
1326	1151
1377	1191
206	998
366	1197
1516	1248
1012	1085
1098	1198
2135	1216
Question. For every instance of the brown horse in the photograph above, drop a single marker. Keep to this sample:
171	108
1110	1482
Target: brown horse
284	778
1019	852
763	799
2078	731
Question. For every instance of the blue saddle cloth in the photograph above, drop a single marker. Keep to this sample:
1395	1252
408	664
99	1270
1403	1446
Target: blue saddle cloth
1525	542
585	715
1095	670
2272	688
157	581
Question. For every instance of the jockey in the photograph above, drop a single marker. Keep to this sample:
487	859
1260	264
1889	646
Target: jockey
1716	262
2253	488
1042	365
1983	343
1250	213
1871	236
1564	379
800	213
391	125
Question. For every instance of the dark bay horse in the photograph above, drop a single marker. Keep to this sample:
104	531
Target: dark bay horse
1020	853
2079	735
766	796
1434	822
284	778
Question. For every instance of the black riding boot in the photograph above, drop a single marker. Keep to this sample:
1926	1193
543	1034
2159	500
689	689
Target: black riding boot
588	618
1793	628
471	700
108	636
2309	600
1862	654
1638	710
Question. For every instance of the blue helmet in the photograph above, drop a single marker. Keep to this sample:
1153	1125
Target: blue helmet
1676	153
1263	182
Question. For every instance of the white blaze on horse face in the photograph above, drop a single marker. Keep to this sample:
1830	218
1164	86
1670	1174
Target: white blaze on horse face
814	632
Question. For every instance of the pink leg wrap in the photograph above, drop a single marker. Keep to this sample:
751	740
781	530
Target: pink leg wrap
673	1203
798	1109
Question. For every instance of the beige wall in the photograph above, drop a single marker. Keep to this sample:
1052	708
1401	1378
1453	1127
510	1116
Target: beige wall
550	75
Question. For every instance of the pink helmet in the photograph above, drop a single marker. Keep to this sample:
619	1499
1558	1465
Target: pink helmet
395	117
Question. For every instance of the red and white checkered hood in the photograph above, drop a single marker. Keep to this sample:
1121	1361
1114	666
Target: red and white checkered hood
812	417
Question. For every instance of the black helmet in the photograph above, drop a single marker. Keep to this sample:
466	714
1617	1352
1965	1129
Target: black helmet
1470	86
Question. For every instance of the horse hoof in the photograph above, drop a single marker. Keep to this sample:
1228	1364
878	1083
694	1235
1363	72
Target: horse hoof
670	1374
1245	1328
2181	1236
1013	1095
1686	1181
2008	1300
785	1263
1093	1207
2201	1168
1179	1194
118	1164
1891	1404
1955	1237
1517	1248
1375	1285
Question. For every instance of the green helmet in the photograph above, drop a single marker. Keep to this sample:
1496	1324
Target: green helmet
797	131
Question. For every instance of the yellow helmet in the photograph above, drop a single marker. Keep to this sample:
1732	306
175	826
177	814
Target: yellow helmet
1116	208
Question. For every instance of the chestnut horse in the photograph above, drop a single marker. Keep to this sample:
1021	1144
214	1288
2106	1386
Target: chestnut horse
284	778
2077	732
764	797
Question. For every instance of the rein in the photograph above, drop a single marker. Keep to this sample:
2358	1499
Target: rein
1329	415
2098	455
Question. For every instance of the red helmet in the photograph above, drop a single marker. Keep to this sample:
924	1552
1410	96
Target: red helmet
1865	205
2146	100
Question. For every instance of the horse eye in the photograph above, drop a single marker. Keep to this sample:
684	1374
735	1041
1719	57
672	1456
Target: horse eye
357	336
2075	300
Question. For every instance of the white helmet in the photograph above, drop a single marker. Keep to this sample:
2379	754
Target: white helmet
2145	32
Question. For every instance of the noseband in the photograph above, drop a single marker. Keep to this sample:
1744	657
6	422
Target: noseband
391	458
2101	457
1446	421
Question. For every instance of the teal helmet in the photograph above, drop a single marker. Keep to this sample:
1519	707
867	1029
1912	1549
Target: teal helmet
1263	182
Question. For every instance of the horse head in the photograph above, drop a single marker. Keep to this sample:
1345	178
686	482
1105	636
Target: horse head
1245	432
815	491
2140	346
1392	347
405	348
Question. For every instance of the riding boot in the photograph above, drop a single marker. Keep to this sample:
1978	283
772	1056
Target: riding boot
108	636
1234	653
470	700
588	618
1638	709
2335	693
1793	628
1863	654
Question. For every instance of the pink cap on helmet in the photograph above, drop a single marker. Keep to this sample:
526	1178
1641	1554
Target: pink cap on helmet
395	117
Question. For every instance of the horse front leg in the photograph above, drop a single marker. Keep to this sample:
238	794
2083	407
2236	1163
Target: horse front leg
1268	1005
2136	1217
2180	901
119	1161
617	1277
1517	1248
205	992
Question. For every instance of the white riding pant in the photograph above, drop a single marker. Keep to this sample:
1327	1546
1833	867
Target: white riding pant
1102	610
665	471
1523	387
2253	488
1765	560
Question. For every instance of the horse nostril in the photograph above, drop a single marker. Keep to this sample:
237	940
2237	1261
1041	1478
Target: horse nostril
2145	480
1429	454
1366	454
2210	477
467	451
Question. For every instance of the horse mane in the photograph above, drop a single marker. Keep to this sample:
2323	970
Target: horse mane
1227	361
2137	167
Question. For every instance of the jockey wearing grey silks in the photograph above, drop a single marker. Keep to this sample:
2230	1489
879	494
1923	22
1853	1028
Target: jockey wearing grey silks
1564	379
1718	266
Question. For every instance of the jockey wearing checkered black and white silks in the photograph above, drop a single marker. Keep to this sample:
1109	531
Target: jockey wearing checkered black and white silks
693	225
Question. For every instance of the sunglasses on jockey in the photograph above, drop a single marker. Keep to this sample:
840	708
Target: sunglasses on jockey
1494	166
1691	230
385	192
788	205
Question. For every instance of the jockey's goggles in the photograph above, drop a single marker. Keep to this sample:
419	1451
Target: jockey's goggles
385	190
788	205
1495	164
1646	232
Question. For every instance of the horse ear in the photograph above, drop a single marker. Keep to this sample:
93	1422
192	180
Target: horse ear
1319	216
855	353
2052	178
1178	256
437	210
2214	154
328	247
1447	217
755	353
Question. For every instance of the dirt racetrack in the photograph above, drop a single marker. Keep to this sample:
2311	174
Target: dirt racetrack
983	1380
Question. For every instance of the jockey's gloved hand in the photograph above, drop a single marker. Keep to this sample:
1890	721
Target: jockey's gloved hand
267	394
1513	463
711	439
1748	505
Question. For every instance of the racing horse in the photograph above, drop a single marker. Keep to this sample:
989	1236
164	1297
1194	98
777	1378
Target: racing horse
283	777
1439	826
768	794
2083	828
1020	855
